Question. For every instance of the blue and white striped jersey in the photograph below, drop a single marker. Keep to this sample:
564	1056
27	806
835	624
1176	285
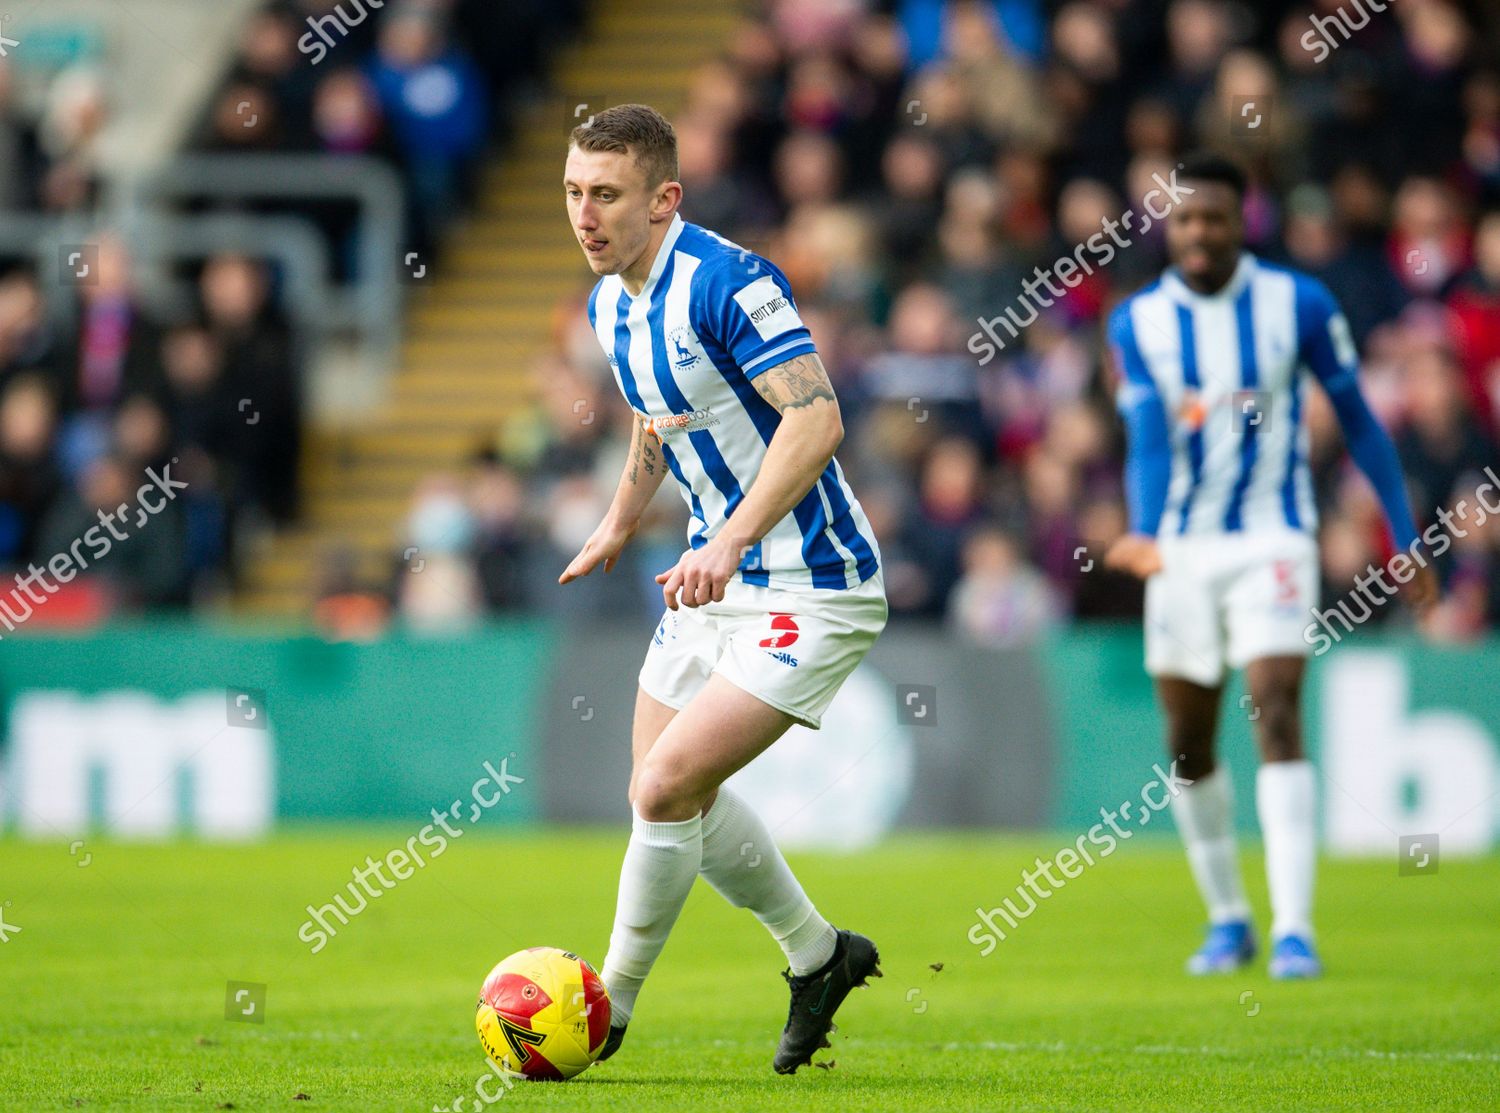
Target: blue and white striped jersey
710	318
1212	395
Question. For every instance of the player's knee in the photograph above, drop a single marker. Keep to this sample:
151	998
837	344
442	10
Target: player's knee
662	795
1278	730
1193	763
1192	747
1277	723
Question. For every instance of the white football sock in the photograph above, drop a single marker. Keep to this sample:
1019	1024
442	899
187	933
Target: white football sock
1204	813
660	866
741	861
1286	799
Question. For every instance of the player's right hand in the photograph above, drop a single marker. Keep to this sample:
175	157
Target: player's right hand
1134	553
605	544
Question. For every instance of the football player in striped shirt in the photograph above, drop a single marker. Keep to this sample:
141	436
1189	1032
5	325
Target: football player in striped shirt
779	594
1214	360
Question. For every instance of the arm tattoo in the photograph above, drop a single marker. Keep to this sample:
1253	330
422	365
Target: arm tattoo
649	454
797	383
636	434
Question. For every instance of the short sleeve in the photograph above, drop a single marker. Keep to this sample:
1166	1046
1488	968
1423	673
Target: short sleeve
747	308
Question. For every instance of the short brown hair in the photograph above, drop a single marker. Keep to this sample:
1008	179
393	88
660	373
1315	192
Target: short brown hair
633	129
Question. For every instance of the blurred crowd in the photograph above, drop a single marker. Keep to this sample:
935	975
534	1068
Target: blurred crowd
93	400
418	84
908	163
99	383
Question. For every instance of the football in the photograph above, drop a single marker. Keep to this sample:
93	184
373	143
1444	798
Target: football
543	1014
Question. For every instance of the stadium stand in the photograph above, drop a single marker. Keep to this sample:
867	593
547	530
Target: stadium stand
906	163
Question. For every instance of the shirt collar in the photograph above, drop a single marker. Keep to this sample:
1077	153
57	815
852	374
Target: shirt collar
1180	291
663	253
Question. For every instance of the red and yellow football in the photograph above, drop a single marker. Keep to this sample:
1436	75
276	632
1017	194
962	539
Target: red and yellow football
543	1014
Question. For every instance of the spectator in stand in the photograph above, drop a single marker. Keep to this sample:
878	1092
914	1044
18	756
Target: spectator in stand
18	153
29	478
1475	305
1429	242
270	62
115	353
438	588
28	341
260	374
1357	273
147	567
999	601
950	504
1443	447
436	101
503	549
69	136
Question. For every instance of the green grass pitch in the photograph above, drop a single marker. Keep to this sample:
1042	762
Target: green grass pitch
113	989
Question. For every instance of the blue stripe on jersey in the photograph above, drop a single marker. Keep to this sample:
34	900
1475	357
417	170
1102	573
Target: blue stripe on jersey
696	539
633	394
701	439
1195	438
844	527
1244	319
1289	484
622	353
818	553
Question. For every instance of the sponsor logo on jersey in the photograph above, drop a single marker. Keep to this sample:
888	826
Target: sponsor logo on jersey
784	658
1191	411
768	307
682	423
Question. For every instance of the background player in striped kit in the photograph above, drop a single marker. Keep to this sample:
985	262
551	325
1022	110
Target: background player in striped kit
1213	358
779	594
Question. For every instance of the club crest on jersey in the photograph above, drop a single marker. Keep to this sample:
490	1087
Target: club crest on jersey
663	427
683	348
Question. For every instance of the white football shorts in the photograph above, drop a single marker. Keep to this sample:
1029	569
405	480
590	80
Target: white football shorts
790	649
1224	600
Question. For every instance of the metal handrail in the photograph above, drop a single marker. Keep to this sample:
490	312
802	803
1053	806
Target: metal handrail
373	304
290	241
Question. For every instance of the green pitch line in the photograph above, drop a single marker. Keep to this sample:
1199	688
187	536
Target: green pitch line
115	976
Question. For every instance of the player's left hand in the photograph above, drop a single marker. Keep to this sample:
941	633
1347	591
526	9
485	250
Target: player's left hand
1422	593
701	575
1134	553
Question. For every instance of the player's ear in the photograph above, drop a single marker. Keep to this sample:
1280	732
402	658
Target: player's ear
668	198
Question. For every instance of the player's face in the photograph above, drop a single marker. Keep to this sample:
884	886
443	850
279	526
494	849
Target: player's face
610	206
1205	234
